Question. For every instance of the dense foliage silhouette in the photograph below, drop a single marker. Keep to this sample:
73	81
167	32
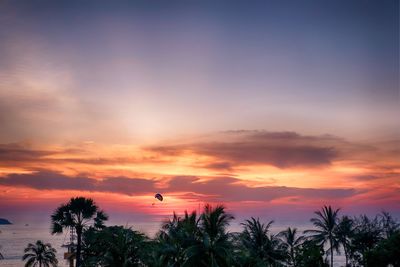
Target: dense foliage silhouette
204	239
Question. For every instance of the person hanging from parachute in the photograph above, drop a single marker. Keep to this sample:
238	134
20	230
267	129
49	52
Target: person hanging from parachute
159	197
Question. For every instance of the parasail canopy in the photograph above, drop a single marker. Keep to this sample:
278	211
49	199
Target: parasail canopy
159	196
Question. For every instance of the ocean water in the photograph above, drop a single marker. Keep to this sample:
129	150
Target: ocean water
14	238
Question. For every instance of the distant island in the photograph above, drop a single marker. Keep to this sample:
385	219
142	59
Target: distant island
4	221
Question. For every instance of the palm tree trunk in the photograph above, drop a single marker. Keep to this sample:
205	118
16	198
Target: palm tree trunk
330	241
78	246
346	256
292	256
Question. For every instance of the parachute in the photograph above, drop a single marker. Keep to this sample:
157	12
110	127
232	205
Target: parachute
159	196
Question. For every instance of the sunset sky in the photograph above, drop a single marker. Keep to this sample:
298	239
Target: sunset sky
272	108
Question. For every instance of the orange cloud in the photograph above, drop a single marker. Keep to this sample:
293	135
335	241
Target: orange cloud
249	168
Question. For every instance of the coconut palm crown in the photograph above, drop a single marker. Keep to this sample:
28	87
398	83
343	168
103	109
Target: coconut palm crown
326	223
212	247
79	213
40	254
263	248
291	242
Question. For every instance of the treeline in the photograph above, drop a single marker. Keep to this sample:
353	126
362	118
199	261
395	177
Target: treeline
204	240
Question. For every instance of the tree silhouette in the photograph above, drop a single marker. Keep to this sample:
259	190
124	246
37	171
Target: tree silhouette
40	254
344	232
367	234
79	213
200	241
212	247
176	236
114	246
388	224
263	248
326	223
311	255
386	253
291	243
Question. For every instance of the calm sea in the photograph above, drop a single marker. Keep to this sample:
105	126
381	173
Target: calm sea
14	238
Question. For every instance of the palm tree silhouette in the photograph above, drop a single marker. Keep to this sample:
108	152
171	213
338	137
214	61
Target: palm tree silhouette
326	222
119	247
367	234
291	243
212	247
344	233
171	242
79	213
388	224
176	236
40	254
263	248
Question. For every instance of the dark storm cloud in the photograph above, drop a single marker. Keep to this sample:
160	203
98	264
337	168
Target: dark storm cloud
280	149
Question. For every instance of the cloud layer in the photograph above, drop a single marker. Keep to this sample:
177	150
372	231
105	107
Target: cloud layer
226	189
239	168
280	149
47	180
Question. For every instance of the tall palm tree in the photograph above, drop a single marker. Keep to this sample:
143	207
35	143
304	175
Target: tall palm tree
40	254
326	223
344	232
79	213
176	236
388	224
291	243
214	221
262	247
212	247
171	243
